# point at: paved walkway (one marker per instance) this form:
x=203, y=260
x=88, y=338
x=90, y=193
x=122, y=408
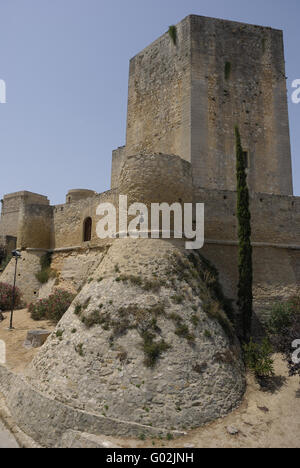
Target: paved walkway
x=6, y=439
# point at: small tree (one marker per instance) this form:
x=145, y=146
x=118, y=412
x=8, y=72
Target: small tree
x=245, y=295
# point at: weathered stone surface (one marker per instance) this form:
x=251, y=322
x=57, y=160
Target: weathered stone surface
x=90, y=371
x=46, y=420
x=73, y=439
x=7, y=440
x=75, y=268
x=181, y=101
x=27, y=282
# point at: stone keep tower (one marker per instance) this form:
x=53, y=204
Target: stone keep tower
x=186, y=99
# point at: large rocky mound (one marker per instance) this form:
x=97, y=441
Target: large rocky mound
x=145, y=341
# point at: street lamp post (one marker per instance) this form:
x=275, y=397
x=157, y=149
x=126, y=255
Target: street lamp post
x=16, y=254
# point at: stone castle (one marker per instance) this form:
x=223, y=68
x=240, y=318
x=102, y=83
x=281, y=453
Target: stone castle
x=143, y=299
x=184, y=102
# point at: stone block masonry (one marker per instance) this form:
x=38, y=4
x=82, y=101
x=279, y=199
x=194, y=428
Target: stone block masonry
x=186, y=100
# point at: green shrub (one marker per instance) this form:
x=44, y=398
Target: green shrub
x=43, y=276
x=45, y=272
x=177, y=299
x=52, y=308
x=153, y=349
x=6, y=293
x=284, y=328
x=195, y=320
x=183, y=331
x=5, y=261
x=258, y=358
x=46, y=260
x=281, y=316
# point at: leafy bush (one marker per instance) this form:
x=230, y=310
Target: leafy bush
x=43, y=276
x=258, y=358
x=281, y=316
x=52, y=308
x=6, y=293
x=284, y=327
x=5, y=259
x=45, y=273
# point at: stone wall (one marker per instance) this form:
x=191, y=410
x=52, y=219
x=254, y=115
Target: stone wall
x=276, y=273
x=79, y=194
x=238, y=78
x=48, y=421
x=159, y=117
x=275, y=238
x=75, y=267
x=118, y=158
x=69, y=220
x=28, y=266
x=275, y=218
x=35, y=227
x=156, y=178
x=11, y=205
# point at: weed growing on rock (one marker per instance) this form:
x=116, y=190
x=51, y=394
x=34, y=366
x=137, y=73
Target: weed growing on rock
x=177, y=299
x=153, y=349
x=79, y=349
x=173, y=34
x=45, y=272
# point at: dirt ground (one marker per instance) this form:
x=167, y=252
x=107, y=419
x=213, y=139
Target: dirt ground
x=266, y=419
x=17, y=357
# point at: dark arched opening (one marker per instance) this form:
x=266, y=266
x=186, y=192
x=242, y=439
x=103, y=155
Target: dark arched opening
x=87, y=230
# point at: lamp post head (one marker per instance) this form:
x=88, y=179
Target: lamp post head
x=16, y=253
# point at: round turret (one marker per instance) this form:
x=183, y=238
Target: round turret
x=79, y=194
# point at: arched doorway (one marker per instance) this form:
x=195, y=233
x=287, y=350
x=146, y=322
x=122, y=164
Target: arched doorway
x=87, y=230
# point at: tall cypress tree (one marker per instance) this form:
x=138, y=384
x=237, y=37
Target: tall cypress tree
x=245, y=294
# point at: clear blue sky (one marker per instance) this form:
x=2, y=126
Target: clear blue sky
x=65, y=63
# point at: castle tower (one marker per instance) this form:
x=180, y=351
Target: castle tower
x=186, y=98
x=10, y=213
